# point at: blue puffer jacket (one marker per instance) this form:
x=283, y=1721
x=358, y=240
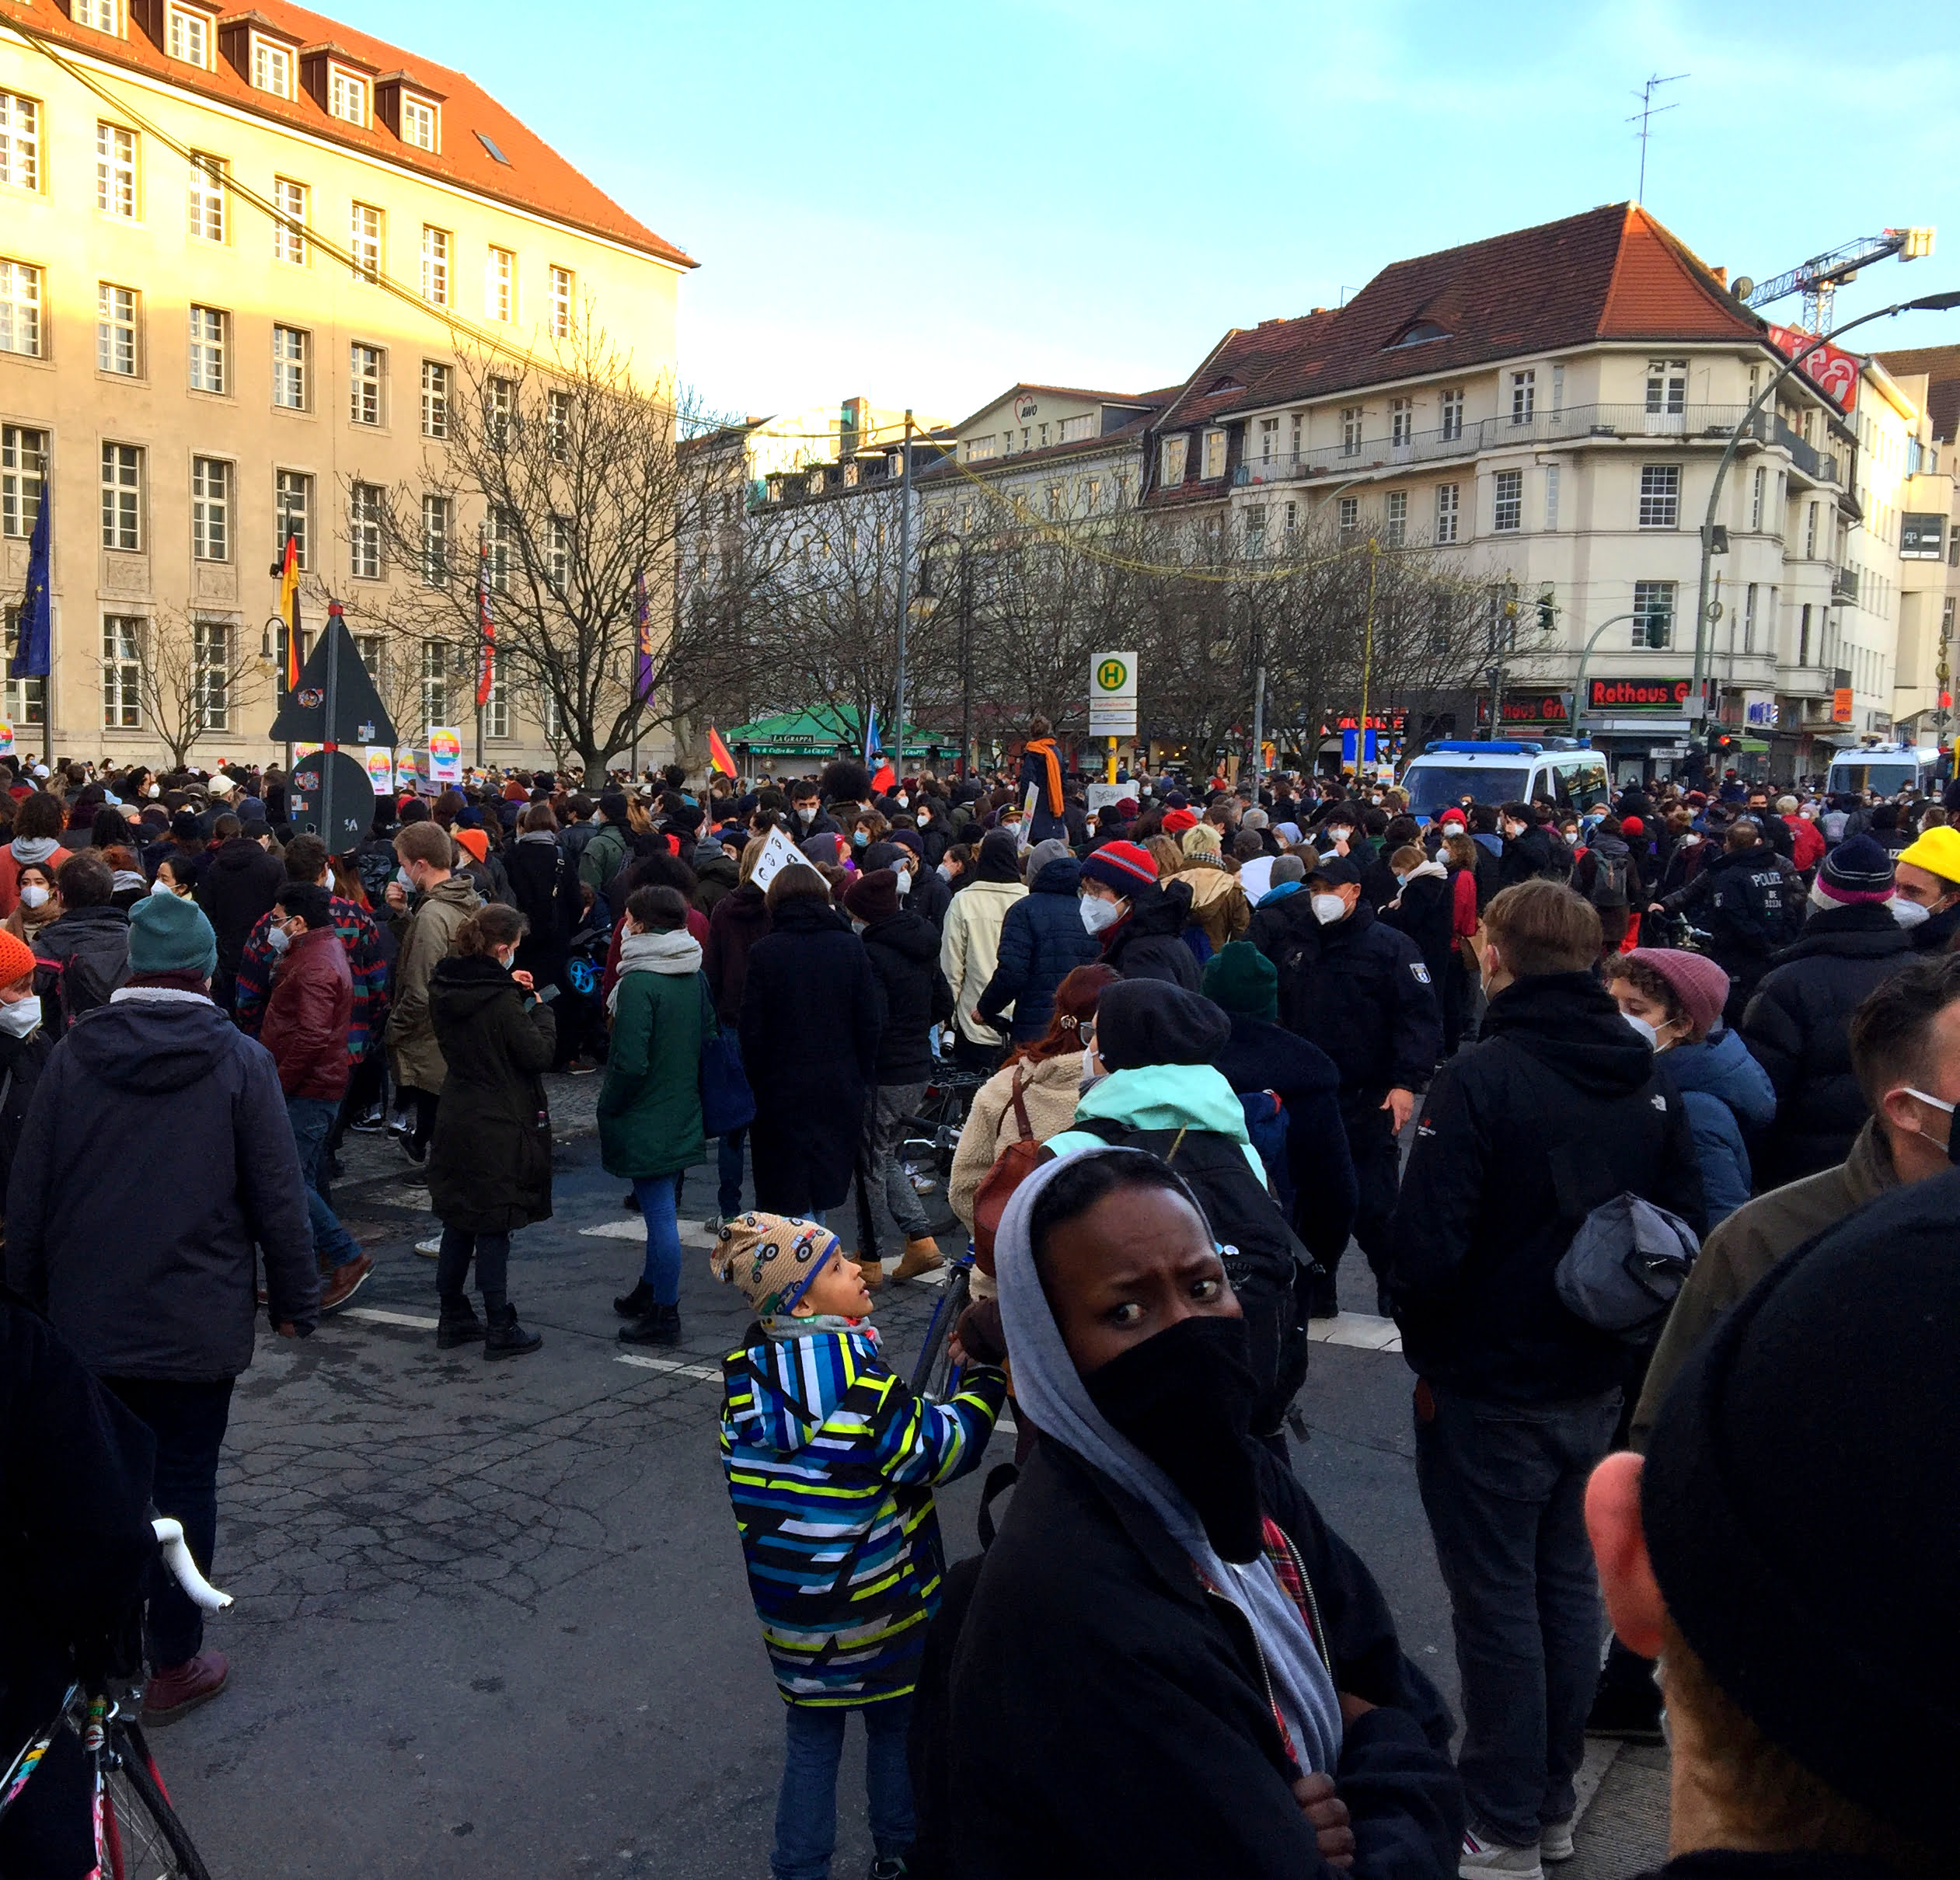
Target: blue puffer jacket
x=1042, y=940
x=832, y=1462
x=1724, y=1090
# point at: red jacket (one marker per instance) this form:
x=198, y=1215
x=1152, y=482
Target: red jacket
x=305, y=1025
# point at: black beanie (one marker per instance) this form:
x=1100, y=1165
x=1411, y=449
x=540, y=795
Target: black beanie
x=1151, y=1021
x=1802, y=1507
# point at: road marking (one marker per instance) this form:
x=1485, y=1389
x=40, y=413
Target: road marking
x=375, y=1315
x=636, y=1230
x=668, y=1364
x=1361, y=1330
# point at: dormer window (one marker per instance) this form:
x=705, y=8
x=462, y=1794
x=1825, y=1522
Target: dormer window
x=421, y=123
x=103, y=16
x=347, y=94
x=188, y=37
x=1420, y=334
x=272, y=67
x=1228, y=383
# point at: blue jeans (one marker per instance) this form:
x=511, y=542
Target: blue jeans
x=728, y=1167
x=312, y=1117
x=655, y=1195
x=806, y=1806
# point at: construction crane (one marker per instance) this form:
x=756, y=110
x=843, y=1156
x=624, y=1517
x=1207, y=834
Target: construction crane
x=1818, y=279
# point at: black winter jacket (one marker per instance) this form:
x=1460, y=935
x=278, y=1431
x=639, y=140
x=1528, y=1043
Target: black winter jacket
x=931, y=894
x=1109, y=1717
x=1361, y=991
x=1557, y=1108
x=912, y=994
x=1146, y=944
x=149, y=1270
x=237, y=887
x=85, y=953
x=1937, y=933
x=1426, y=913
x=1041, y=941
x=1798, y=1027
x=1525, y=857
x=809, y=1028
x=22, y=1062
x=544, y=882
x=1742, y=892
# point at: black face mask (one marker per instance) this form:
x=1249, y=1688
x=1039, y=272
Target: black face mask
x=1185, y=1398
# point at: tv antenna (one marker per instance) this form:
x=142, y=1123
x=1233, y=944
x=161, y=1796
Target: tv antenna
x=1648, y=111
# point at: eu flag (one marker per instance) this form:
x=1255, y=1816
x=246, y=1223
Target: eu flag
x=33, y=647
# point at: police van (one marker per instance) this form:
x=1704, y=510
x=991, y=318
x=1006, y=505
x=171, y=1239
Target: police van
x=1884, y=770
x=1561, y=770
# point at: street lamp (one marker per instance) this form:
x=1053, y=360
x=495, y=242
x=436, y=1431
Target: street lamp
x=963, y=565
x=1926, y=303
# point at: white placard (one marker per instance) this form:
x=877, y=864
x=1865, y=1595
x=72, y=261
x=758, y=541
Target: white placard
x=779, y=852
x=1112, y=695
x=1106, y=796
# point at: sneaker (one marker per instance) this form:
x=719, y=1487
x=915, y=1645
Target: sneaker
x=417, y=1153
x=369, y=1122
x=712, y=1226
x=1478, y=1857
x=1555, y=1840
x=344, y=1282
x=176, y=1690
x=921, y=1256
x=895, y=1869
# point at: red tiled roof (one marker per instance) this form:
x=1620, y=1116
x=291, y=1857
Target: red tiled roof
x=1941, y=366
x=1255, y=360
x=536, y=177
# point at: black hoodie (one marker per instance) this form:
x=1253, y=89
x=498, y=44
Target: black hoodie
x=1147, y=943
x=145, y=1259
x=1557, y=1108
x=912, y=992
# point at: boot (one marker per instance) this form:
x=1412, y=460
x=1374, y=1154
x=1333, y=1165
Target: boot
x=634, y=1305
x=873, y=1272
x=503, y=1337
x=458, y=1325
x=660, y=1325
x=174, y=1691
x=921, y=1256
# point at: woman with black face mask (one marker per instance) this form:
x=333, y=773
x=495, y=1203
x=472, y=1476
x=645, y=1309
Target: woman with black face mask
x=1170, y=1666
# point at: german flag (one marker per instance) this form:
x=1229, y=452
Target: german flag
x=718, y=754
x=289, y=610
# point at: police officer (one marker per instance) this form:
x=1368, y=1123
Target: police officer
x=1752, y=900
x=1355, y=987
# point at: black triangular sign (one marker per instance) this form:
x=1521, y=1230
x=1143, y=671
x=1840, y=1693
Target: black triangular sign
x=359, y=716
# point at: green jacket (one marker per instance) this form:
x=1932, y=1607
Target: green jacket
x=601, y=857
x=650, y=1106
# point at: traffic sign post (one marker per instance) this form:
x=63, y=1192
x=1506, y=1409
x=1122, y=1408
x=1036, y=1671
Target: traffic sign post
x=1112, y=700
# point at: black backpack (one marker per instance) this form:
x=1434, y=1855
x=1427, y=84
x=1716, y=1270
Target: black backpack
x=1609, y=880
x=1271, y=1270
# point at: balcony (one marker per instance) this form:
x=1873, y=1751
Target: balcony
x=1804, y=681
x=1844, y=584
x=1630, y=424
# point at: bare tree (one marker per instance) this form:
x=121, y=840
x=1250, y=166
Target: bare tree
x=196, y=677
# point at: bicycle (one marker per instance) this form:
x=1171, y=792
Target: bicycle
x=138, y=1834
x=934, y=1374
x=933, y=1134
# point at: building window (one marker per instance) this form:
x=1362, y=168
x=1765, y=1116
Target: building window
x=497, y=534
x=289, y=349
x=980, y=450
x=1508, y=513
x=496, y=707
x=115, y=329
x=1214, y=455
x=122, y=494
x=1395, y=517
x=1551, y=496
x=347, y=94
x=1091, y=496
x=1350, y=431
x=435, y=266
x=1524, y=396
x=1170, y=459
x=1653, y=613
x=293, y=503
x=20, y=308
x=499, y=396
x=500, y=284
x=436, y=532
x=558, y=548
x=1269, y=439
x=1451, y=408
x=122, y=672
x=1347, y=511
x=1749, y=619
x=1255, y=522
x=1501, y=629
x=1810, y=532
x=364, y=244
x=1448, y=497
x=420, y=123
x=1558, y=389
x=208, y=350
x=23, y=467
x=434, y=689
x=364, y=383
x=100, y=14
x=211, y=509
x=272, y=67
x=20, y=141
x=1401, y=421
x=1758, y=486
x=26, y=700
x=1803, y=634
x=1667, y=386
x=1660, y=496
x=1073, y=431
x=289, y=230
x=116, y=171
x=561, y=303
x=435, y=399
x=189, y=37
x=363, y=530
x=210, y=650
x=207, y=208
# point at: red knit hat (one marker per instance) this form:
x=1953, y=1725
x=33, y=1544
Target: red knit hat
x=1632, y=826
x=1176, y=821
x=1699, y=986
x=1122, y=866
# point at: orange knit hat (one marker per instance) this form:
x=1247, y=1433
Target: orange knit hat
x=16, y=958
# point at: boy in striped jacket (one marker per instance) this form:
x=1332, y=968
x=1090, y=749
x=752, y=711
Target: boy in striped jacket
x=832, y=1461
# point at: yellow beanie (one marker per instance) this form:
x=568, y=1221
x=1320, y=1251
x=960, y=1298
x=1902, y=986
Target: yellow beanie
x=1938, y=852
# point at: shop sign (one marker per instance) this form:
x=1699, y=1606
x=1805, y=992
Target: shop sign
x=1665, y=696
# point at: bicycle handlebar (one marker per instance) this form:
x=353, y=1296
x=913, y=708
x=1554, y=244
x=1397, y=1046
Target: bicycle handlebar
x=183, y=1569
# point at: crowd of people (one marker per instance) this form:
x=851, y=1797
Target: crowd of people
x=1211, y=1037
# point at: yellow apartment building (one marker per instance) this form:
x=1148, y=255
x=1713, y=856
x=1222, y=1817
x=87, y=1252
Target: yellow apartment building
x=239, y=252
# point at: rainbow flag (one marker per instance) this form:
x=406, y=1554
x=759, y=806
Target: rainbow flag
x=718, y=754
x=289, y=609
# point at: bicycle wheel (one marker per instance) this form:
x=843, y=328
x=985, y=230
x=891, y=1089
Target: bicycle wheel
x=936, y=1367
x=141, y=1835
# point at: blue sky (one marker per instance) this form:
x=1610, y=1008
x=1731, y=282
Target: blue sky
x=925, y=202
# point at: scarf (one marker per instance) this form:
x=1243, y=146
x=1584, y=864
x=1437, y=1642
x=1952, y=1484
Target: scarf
x=1043, y=748
x=540, y=835
x=676, y=954
x=788, y=1326
x=33, y=848
x=1046, y=1381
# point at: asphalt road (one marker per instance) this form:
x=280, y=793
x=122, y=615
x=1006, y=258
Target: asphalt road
x=491, y=1618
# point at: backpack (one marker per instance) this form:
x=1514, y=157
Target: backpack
x=1609, y=888
x=1011, y=1168
x=1266, y=1125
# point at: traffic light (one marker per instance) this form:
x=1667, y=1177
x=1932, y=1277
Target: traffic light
x=1657, y=629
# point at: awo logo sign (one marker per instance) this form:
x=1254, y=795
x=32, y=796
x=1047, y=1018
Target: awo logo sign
x=1024, y=409
x=1638, y=694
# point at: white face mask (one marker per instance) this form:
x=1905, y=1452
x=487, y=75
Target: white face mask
x=806, y=814
x=1646, y=1031
x=1099, y=914
x=33, y=896
x=159, y=886
x=1907, y=913
x=858, y=926
x=21, y=1017
x=904, y=881
x=945, y=872
x=1328, y=909
x=406, y=879
x=278, y=939
x=156, y=789
x=1690, y=840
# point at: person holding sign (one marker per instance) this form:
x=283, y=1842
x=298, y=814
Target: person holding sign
x=1038, y=786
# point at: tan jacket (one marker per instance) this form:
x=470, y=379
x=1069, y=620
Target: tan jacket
x=1218, y=903
x=970, y=950
x=426, y=936
x=1745, y=1247
x=1048, y=1094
